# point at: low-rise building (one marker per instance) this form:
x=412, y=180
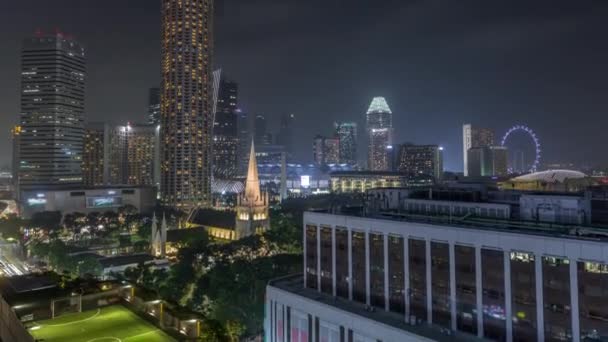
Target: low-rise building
x=86, y=200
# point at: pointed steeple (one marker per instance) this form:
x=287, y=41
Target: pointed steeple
x=252, y=185
x=163, y=229
x=154, y=228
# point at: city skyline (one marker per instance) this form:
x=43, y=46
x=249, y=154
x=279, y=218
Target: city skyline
x=492, y=85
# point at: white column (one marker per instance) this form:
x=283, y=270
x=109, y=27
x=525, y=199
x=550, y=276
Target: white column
x=576, y=330
x=386, y=298
x=350, y=264
x=333, y=260
x=540, y=312
x=508, y=309
x=406, y=276
x=429, y=290
x=479, y=291
x=452, y=261
x=319, y=258
x=367, y=271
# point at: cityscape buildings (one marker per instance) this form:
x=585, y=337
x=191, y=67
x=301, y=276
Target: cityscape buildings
x=262, y=136
x=285, y=134
x=426, y=160
x=245, y=134
x=96, y=154
x=347, y=134
x=380, y=131
x=225, y=131
x=154, y=106
x=326, y=150
x=186, y=102
x=474, y=137
x=487, y=161
x=52, y=108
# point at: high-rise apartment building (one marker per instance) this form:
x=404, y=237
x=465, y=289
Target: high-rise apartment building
x=186, y=102
x=421, y=160
x=225, y=132
x=326, y=150
x=134, y=155
x=487, y=161
x=380, y=131
x=96, y=154
x=16, y=136
x=154, y=106
x=347, y=134
x=474, y=137
x=52, y=107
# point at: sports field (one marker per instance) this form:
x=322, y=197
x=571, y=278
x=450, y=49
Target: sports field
x=111, y=324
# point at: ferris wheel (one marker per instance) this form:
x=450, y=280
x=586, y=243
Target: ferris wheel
x=536, y=141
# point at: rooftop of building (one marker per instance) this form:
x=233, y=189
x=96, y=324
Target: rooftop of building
x=214, y=218
x=123, y=260
x=579, y=232
x=294, y=285
x=550, y=176
x=366, y=173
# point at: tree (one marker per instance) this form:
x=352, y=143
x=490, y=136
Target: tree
x=10, y=226
x=214, y=331
x=89, y=265
x=47, y=220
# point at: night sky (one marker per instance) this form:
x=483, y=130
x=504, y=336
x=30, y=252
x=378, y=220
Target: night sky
x=438, y=63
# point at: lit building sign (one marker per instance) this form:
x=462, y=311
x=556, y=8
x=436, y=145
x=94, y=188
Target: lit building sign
x=36, y=201
x=104, y=202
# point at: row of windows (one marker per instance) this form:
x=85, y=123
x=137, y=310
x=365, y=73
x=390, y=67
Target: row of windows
x=592, y=281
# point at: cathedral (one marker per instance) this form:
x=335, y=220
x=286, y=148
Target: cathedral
x=252, y=204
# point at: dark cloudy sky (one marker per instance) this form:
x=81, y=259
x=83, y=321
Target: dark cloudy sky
x=438, y=63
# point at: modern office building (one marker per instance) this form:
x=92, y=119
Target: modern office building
x=52, y=108
x=225, y=132
x=16, y=136
x=154, y=106
x=245, y=135
x=474, y=137
x=347, y=134
x=380, y=131
x=87, y=199
x=420, y=160
x=401, y=277
x=326, y=150
x=487, y=161
x=186, y=102
x=96, y=154
x=260, y=128
x=285, y=136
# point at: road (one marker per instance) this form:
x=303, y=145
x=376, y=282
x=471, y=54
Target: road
x=10, y=265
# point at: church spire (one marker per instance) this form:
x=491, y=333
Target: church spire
x=252, y=185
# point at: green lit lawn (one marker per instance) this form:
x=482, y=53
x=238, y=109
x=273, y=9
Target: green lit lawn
x=110, y=324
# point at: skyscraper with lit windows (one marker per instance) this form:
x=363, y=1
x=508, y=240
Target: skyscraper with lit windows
x=225, y=134
x=347, y=134
x=52, y=107
x=380, y=131
x=186, y=102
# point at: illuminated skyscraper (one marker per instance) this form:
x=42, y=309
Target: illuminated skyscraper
x=380, y=131
x=421, y=160
x=134, y=155
x=52, y=106
x=154, y=106
x=474, y=137
x=326, y=150
x=225, y=134
x=96, y=154
x=186, y=102
x=347, y=134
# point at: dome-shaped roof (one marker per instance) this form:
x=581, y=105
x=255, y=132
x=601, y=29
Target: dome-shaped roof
x=550, y=176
